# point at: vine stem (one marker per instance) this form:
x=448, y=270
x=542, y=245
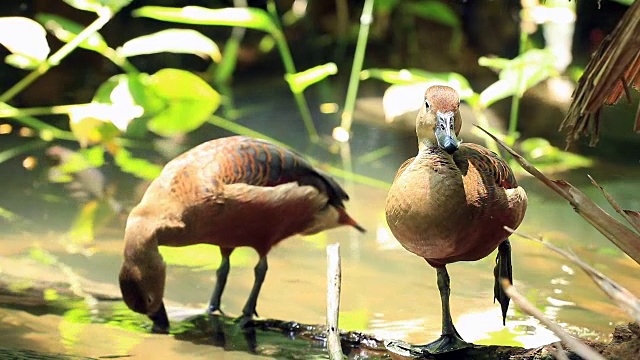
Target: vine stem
x=354, y=81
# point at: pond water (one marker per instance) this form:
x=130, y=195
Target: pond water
x=386, y=291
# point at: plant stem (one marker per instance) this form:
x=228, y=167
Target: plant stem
x=358, y=59
x=28, y=112
x=34, y=123
x=515, y=100
x=242, y=130
x=21, y=149
x=103, y=18
x=290, y=68
x=120, y=61
x=220, y=73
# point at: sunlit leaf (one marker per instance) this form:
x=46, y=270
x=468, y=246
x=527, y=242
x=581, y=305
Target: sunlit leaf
x=184, y=41
x=25, y=39
x=189, y=101
x=550, y=158
x=413, y=76
x=65, y=30
x=138, y=167
x=95, y=123
x=252, y=18
x=206, y=257
x=517, y=75
x=98, y=5
x=499, y=90
x=126, y=91
x=301, y=80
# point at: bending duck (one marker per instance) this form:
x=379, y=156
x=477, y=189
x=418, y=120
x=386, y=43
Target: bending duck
x=231, y=192
x=451, y=202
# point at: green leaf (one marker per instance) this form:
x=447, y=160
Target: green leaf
x=183, y=41
x=517, y=75
x=625, y=2
x=65, y=30
x=441, y=13
x=385, y=6
x=301, y=80
x=497, y=91
x=71, y=162
x=97, y=6
x=434, y=11
x=252, y=18
x=138, y=167
x=127, y=90
x=415, y=76
x=26, y=40
x=549, y=158
x=189, y=101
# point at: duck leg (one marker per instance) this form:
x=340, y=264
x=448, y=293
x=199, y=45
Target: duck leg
x=502, y=270
x=250, y=307
x=221, y=280
x=160, y=321
x=450, y=340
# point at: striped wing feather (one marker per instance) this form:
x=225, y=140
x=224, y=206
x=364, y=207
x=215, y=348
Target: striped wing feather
x=488, y=164
x=241, y=159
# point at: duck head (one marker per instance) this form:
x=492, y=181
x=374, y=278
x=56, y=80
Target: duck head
x=142, y=276
x=439, y=122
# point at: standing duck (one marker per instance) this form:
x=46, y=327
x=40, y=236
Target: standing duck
x=231, y=192
x=451, y=202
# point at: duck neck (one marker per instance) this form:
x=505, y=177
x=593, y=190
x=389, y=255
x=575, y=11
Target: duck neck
x=140, y=240
x=426, y=143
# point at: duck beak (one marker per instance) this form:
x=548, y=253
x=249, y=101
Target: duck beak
x=445, y=134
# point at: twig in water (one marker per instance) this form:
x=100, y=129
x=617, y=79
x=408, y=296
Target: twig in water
x=333, y=301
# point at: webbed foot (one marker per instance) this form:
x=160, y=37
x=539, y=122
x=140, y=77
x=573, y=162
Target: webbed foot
x=444, y=344
x=245, y=321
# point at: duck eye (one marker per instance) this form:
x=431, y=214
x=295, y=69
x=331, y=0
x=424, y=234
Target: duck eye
x=426, y=103
x=149, y=299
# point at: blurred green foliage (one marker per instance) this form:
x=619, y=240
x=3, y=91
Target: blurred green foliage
x=515, y=76
x=132, y=106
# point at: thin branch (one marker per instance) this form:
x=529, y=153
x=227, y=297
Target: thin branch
x=615, y=205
